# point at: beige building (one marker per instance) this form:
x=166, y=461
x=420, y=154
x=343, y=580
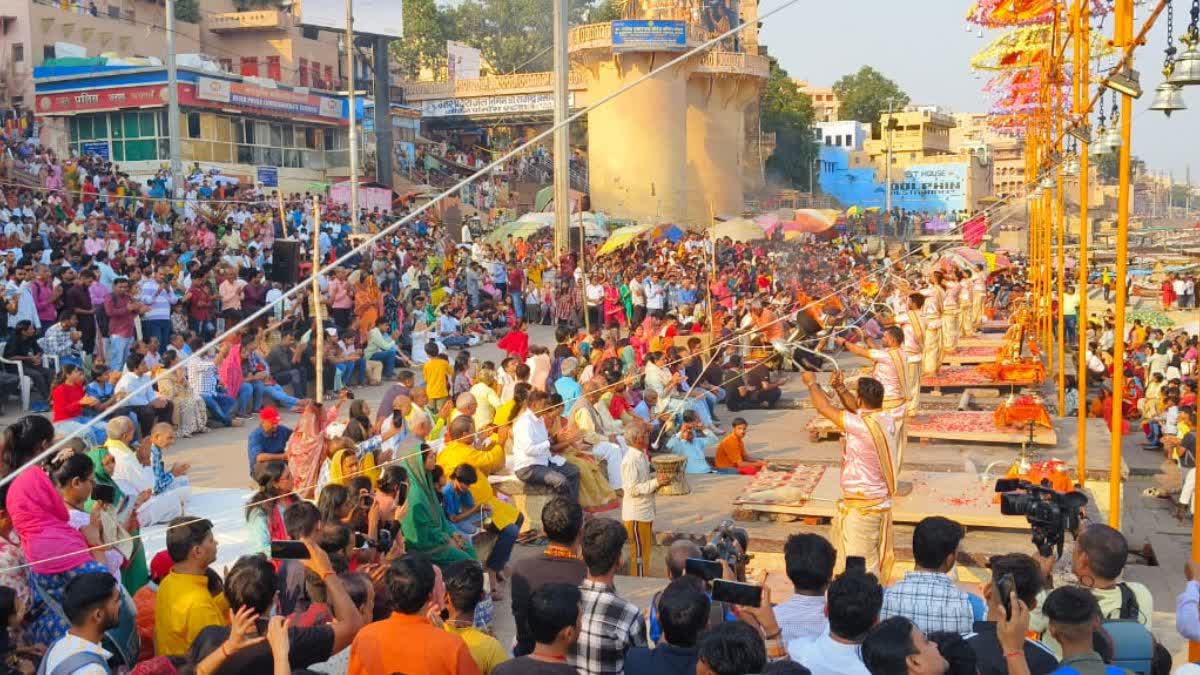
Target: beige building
x=825, y=103
x=267, y=43
x=916, y=134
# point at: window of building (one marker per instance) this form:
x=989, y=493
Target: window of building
x=226, y=65
x=193, y=125
x=329, y=76
x=273, y=69
x=48, y=52
x=250, y=66
x=18, y=52
x=849, y=142
x=303, y=71
x=838, y=140
x=829, y=140
x=309, y=33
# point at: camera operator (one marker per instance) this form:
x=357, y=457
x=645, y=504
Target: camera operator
x=1097, y=561
x=676, y=559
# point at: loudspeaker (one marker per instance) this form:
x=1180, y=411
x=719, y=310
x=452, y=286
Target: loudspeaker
x=285, y=262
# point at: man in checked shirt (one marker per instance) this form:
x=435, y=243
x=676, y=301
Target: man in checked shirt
x=928, y=595
x=609, y=625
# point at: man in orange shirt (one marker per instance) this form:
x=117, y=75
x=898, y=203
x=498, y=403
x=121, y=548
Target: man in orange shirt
x=423, y=650
x=731, y=453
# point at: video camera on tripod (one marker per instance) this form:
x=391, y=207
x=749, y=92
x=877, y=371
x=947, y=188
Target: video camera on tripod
x=728, y=542
x=1051, y=514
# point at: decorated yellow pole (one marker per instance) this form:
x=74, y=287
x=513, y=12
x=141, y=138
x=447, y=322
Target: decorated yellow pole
x=1122, y=36
x=1082, y=47
x=1059, y=220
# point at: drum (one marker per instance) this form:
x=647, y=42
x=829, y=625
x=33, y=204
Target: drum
x=671, y=466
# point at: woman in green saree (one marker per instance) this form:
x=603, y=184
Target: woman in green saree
x=425, y=526
x=136, y=573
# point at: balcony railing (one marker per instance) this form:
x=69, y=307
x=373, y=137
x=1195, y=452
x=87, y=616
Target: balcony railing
x=234, y=21
x=735, y=63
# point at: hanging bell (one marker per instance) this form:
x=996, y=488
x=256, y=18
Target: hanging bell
x=1099, y=148
x=1187, y=68
x=1168, y=98
x=1112, y=139
x=1071, y=166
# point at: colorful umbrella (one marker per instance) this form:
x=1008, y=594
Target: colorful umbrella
x=621, y=237
x=667, y=231
x=739, y=229
x=972, y=255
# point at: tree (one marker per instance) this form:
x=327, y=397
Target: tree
x=187, y=11
x=1108, y=167
x=789, y=114
x=864, y=95
x=514, y=35
x=605, y=10
x=244, y=5
x=426, y=29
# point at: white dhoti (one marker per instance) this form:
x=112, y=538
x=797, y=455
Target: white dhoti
x=932, y=356
x=951, y=325
x=163, y=507
x=863, y=527
x=968, y=320
x=914, y=362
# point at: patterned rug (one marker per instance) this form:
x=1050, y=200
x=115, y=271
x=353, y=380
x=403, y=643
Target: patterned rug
x=793, y=486
x=964, y=376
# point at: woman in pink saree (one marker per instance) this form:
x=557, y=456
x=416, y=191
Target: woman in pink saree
x=614, y=311
x=306, y=448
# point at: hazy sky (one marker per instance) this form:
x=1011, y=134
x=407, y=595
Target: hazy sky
x=923, y=45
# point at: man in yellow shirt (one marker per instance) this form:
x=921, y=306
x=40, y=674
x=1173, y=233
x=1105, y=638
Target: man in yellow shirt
x=437, y=371
x=464, y=590
x=463, y=448
x=189, y=598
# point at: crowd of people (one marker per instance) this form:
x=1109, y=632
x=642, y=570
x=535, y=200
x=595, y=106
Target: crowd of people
x=396, y=521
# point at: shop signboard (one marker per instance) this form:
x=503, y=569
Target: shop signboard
x=268, y=176
x=96, y=100
x=489, y=105
x=281, y=101
x=97, y=148
x=641, y=35
x=943, y=185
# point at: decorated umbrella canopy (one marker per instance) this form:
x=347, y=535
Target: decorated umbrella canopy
x=621, y=237
x=938, y=224
x=1025, y=47
x=972, y=255
x=739, y=229
x=768, y=221
x=1000, y=13
x=667, y=231
x=812, y=220
x=854, y=210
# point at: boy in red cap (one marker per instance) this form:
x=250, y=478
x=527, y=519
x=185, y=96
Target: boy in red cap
x=144, y=599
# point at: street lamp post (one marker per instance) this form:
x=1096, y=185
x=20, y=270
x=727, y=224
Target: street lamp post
x=353, y=133
x=891, y=125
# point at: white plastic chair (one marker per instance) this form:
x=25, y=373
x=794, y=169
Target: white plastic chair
x=26, y=384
